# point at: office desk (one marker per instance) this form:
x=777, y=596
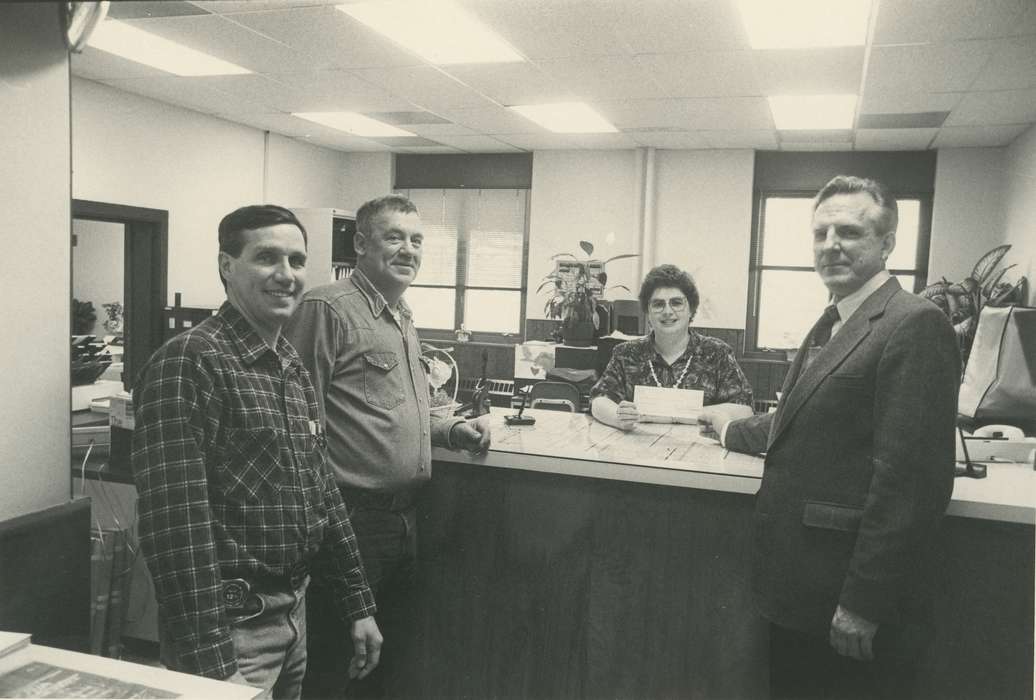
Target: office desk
x=574, y=560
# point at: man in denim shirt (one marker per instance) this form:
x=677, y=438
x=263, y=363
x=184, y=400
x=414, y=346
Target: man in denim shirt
x=357, y=338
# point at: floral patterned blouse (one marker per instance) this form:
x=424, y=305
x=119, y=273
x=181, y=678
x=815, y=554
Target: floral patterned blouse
x=707, y=364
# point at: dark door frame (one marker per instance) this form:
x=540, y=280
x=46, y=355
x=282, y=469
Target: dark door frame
x=144, y=277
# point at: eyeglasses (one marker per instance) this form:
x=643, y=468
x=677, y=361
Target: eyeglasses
x=676, y=304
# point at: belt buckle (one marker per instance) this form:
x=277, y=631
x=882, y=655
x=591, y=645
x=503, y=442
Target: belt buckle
x=235, y=591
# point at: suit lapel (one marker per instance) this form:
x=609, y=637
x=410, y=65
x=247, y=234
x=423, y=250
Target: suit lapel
x=803, y=382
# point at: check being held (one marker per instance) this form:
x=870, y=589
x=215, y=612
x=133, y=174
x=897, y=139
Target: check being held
x=660, y=405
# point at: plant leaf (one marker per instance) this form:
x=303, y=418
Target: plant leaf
x=587, y=246
x=984, y=266
x=989, y=287
x=620, y=257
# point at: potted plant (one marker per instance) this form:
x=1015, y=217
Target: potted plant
x=574, y=287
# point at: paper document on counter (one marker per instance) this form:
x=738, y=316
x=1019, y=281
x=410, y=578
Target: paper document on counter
x=659, y=405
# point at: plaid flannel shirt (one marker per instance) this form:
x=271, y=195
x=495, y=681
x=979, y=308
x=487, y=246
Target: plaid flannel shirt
x=232, y=482
x=713, y=369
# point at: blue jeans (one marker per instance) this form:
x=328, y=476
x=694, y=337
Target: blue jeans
x=269, y=640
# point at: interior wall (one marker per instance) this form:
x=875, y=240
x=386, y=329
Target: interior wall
x=967, y=210
x=34, y=167
x=1020, y=208
x=582, y=195
x=98, y=265
x=703, y=225
x=127, y=149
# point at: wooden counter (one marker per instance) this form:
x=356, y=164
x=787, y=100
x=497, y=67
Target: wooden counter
x=577, y=561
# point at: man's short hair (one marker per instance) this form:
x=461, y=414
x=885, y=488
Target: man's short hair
x=850, y=184
x=372, y=209
x=669, y=276
x=256, y=216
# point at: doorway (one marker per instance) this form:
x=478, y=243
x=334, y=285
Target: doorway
x=141, y=263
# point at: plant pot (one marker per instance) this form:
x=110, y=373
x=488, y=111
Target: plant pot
x=578, y=333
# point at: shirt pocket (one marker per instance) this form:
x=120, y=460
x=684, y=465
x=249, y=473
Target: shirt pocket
x=382, y=379
x=832, y=516
x=251, y=467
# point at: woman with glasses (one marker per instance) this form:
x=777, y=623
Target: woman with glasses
x=672, y=355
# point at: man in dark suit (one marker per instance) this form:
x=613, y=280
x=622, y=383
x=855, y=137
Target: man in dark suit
x=859, y=466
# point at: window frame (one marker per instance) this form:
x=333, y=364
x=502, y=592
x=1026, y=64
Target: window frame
x=756, y=266
x=460, y=285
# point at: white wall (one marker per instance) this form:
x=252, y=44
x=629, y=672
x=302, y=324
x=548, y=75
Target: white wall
x=582, y=195
x=967, y=211
x=34, y=165
x=1020, y=208
x=98, y=266
x=703, y=225
x=128, y=149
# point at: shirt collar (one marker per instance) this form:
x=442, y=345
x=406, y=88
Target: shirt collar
x=374, y=298
x=693, y=341
x=250, y=345
x=847, y=306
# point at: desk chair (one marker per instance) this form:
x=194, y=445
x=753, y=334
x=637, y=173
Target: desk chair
x=555, y=396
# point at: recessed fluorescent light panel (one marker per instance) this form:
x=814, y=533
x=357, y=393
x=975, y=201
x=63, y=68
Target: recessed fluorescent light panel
x=439, y=32
x=136, y=45
x=567, y=118
x=804, y=24
x=813, y=111
x=353, y=123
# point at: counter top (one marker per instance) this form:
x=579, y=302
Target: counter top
x=677, y=455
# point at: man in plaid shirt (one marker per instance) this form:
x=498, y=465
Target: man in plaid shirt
x=235, y=498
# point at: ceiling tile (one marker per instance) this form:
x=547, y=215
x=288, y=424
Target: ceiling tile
x=703, y=73
x=894, y=139
x=317, y=91
x=905, y=21
x=691, y=114
x=134, y=9
x=815, y=135
x=493, y=120
x=832, y=71
x=884, y=102
x=189, y=93
x=603, y=77
x=1012, y=67
x=975, y=136
x=511, y=83
x=405, y=141
x=476, y=144
x=990, y=108
x=408, y=118
x=818, y=146
x=910, y=120
x=536, y=142
x=765, y=139
x=551, y=29
x=101, y=65
x=425, y=86
x=329, y=38
x=307, y=131
x=219, y=37
x=426, y=149
x=926, y=68
x=670, y=139
x=436, y=130
x=669, y=26
x=601, y=141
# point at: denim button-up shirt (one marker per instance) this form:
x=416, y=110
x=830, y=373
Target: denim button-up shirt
x=371, y=385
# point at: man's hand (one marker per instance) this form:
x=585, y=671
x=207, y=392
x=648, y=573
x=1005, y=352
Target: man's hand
x=471, y=435
x=713, y=419
x=852, y=635
x=627, y=414
x=366, y=647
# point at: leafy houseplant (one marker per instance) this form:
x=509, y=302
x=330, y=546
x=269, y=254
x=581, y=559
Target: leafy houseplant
x=83, y=317
x=963, y=301
x=574, y=287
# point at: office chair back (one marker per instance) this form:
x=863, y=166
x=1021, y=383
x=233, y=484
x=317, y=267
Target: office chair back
x=555, y=396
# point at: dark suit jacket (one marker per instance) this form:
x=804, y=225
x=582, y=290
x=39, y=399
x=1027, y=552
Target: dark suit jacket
x=859, y=468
